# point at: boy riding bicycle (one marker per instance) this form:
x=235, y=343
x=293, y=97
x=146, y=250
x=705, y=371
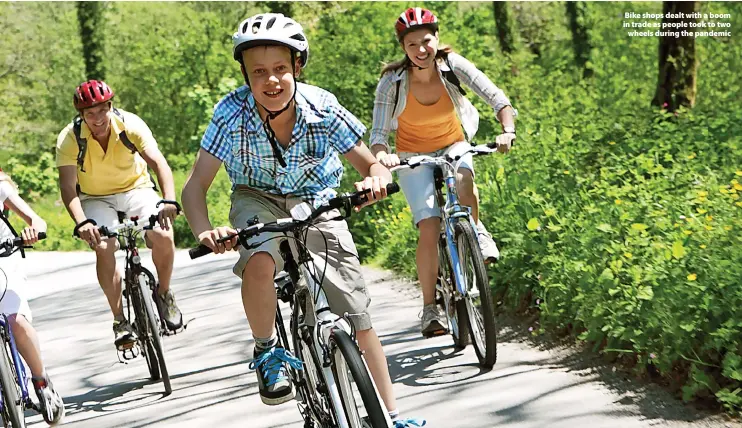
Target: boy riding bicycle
x=279, y=141
x=15, y=306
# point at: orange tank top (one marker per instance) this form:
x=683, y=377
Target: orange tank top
x=424, y=129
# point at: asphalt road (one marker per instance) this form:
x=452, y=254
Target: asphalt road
x=212, y=385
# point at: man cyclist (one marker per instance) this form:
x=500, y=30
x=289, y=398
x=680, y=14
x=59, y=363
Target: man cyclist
x=102, y=157
x=279, y=141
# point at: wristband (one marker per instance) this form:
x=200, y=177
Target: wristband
x=76, y=231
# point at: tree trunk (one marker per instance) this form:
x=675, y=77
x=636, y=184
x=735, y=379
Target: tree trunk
x=502, y=23
x=92, y=23
x=676, y=85
x=577, y=15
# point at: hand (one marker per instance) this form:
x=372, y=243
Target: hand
x=90, y=234
x=389, y=160
x=377, y=186
x=30, y=235
x=166, y=216
x=210, y=238
x=504, y=142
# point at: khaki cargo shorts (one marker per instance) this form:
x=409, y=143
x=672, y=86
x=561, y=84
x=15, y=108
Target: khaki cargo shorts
x=343, y=282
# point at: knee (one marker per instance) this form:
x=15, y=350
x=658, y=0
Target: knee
x=159, y=238
x=106, y=248
x=259, y=269
x=465, y=181
x=429, y=230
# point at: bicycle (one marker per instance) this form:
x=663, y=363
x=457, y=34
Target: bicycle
x=15, y=398
x=462, y=287
x=331, y=361
x=140, y=291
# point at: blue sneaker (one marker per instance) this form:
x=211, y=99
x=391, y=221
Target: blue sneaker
x=408, y=423
x=274, y=384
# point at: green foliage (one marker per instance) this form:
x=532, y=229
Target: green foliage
x=91, y=15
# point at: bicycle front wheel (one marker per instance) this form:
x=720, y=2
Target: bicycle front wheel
x=361, y=404
x=478, y=299
x=153, y=338
x=12, y=407
x=455, y=309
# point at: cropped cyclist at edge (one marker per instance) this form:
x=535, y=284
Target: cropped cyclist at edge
x=279, y=141
x=110, y=176
x=15, y=306
x=420, y=98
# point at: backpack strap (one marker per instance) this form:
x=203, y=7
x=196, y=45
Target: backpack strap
x=452, y=77
x=82, y=143
x=396, y=97
x=122, y=135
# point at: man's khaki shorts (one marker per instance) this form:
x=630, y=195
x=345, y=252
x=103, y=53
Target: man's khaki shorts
x=343, y=282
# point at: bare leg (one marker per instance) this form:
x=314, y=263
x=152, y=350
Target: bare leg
x=108, y=277
x=427, y=257
x=370, y=345
x=467, y=191
x=163, y=254
x=259, y=294
x=27, y=342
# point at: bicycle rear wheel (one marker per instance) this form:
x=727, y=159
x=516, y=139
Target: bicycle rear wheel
x=12, y=407
x=478, y=299
x=361, y=403
x=153, y=338
x=455, y=309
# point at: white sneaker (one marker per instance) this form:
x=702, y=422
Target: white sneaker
x=487, y=244
x=434, y=321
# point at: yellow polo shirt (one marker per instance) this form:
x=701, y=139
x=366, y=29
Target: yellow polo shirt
x=117, y=169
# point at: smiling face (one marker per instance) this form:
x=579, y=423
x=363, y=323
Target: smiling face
x=269, y=71
x=98, y=119
x=421, y=46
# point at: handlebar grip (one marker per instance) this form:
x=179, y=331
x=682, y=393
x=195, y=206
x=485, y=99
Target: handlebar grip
x=361, y=197
x=42, y=235
x=199, y=251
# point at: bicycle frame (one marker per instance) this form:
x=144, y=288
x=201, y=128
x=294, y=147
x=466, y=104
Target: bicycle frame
x=325, y=322
x=18, y=364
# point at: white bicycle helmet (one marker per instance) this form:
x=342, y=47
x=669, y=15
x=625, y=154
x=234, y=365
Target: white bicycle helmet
x=270, y=29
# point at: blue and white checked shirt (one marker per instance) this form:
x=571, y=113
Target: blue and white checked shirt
x=313, y=169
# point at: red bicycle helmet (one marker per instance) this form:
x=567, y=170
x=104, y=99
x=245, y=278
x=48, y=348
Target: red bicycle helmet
x=415, y=18
x=91, y=93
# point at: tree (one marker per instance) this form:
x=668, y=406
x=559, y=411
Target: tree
x=91, y=18
x=502, y=23
x=676, y=85
x=284, y=7
x=577, y=16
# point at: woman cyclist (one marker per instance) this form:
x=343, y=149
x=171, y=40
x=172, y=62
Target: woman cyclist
x=420, y=98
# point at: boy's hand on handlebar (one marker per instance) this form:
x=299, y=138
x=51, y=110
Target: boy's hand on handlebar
x=504, y=142
x=212, y=238
x=377, y=185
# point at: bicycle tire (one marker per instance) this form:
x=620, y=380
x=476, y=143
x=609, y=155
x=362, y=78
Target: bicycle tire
x=346, y=359
x=153, y=335
x=13, y=409
x=482, y=328
x=317, y=398
x=148, y=349
x=457, y=313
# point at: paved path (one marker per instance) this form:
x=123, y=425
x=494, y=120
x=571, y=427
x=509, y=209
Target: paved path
x=213, y=386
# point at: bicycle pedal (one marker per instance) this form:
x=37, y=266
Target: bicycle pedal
x=435, y=333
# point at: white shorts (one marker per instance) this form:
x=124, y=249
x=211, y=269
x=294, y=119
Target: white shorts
x=12, y=285
x=133, y=203
x=418, y=185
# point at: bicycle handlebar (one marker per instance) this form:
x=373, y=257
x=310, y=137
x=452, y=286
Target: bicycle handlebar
x=344, y=200
x=17, y=241
x=133, y=223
